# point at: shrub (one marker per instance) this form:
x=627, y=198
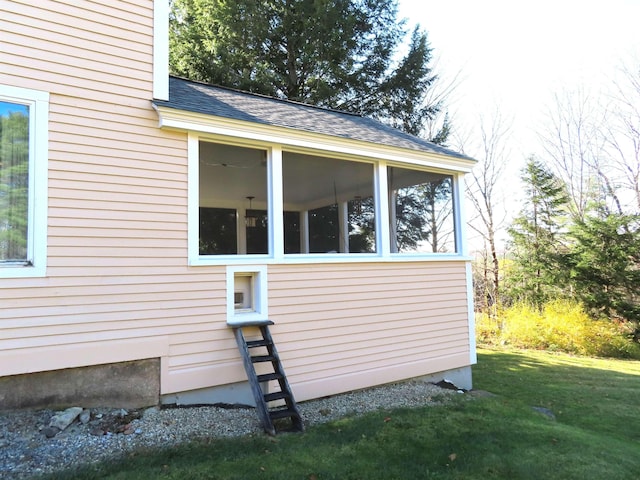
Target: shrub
x=560, y=326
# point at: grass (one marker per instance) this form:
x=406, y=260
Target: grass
x=595, y=435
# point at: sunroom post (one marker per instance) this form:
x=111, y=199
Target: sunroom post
x=343, y=221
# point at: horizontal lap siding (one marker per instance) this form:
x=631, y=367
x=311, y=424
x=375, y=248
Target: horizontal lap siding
x=118, y=286
x=340, y=327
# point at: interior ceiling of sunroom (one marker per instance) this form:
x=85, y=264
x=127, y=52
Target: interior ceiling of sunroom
x=309, y=181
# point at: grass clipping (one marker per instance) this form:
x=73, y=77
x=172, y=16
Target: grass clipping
x=560, y=326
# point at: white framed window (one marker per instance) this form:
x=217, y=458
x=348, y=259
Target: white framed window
x=23, y=181
x=422, y=216
x=246, y=293
x=268, y=203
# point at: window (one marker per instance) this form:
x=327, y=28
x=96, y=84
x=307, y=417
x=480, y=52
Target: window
x=233, y=201
x=421, y=215
x=332, y=202
x=23, y=181
x=322, y=206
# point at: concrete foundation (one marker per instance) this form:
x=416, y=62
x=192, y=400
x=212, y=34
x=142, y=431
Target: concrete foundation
x=232, y=394
x=118, y=385
x=460, y=377
x=240, y=393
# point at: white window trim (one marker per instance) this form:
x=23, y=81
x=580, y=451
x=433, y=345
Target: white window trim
x=38, y=103
x=260, y=310
x=276, y=245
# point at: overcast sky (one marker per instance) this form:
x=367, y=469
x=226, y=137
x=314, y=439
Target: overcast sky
x=517, y=54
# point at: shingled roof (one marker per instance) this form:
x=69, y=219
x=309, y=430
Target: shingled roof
x=233, y=104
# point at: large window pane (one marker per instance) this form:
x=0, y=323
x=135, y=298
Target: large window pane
x=218, y=231
x=334, y=204
x=14, y=182
x=421, y=211
x=233, y=200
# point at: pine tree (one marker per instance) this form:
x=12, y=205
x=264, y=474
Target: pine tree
x=332, y=53
x=536, y=274
x=605, y=265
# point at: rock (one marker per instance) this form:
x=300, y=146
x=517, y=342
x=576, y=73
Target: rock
x=84, y=417
x=63, y=419
x=97, y=432
x=545, y=411
x=444, y=383
x=122, y=413
x=150, y=411
x=50, y=432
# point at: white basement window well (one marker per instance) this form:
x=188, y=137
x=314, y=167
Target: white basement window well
x=246, y=294
x=23, y=181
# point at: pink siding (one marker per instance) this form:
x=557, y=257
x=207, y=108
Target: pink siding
x=341, y=327
x=118, y=286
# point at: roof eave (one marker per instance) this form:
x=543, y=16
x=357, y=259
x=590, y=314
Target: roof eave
x=184, y=120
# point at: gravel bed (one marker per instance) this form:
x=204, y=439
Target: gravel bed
x=26, y=451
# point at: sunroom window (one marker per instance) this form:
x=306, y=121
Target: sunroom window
x=233, y=200
x=329, y=205
x=421, y=213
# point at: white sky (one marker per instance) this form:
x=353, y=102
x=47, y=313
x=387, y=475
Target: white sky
x=515, y=55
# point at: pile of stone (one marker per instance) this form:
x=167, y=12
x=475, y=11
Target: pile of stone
x=119, y=421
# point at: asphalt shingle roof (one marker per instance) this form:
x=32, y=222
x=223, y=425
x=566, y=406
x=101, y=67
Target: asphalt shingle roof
x=233, y=104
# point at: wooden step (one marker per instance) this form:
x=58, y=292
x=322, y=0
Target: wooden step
x=284, y=413
x=270, y=397
x=258, y=343
x=263, y=358
x=266, y=377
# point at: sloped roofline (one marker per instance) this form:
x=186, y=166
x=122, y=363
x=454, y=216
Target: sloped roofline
x=211, y=100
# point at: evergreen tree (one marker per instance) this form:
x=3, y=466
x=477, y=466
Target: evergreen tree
x=536, y=274
x=331, y=53
x=605, y=265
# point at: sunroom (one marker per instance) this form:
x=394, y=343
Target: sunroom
x=270, y=202
x=273, y=182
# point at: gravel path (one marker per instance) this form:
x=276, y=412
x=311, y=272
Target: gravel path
x=26, y=451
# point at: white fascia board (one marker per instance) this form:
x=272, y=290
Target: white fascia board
x=190, y=121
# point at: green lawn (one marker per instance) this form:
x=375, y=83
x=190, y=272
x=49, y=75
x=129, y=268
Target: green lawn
x=596, y=433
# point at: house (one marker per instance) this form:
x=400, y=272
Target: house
x=141, y=215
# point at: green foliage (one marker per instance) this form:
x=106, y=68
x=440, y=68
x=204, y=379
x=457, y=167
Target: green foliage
x=535, y=275
x=14, y=182
x=332, y=53
x=560, y=326
x=605, y=265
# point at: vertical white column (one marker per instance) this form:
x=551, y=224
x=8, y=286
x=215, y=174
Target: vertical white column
x=343, y=221
x=276, y=204
x=459, y=220
x=383, y=242
x=193, y=197
x=304, y=231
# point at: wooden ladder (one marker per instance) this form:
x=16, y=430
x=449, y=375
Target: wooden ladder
x=264, y=351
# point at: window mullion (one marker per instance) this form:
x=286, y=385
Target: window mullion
x=382, y=211
x=276, y=203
